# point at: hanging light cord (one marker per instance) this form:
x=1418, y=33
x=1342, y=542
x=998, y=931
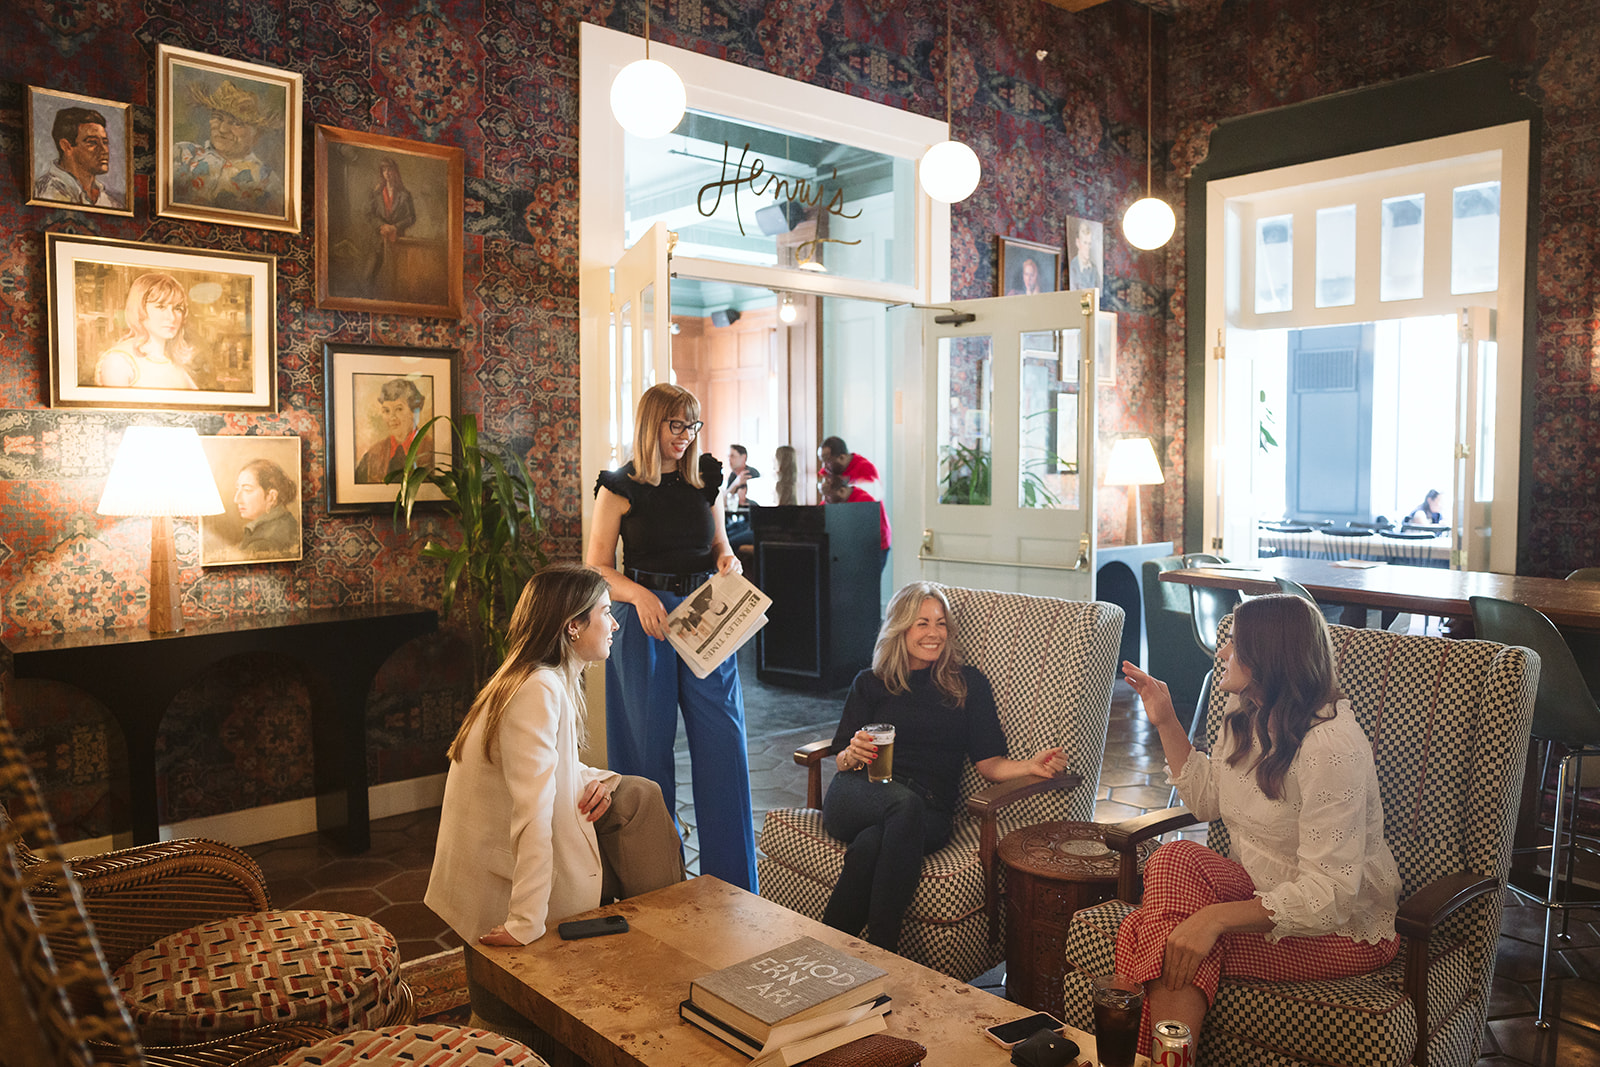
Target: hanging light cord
x=647, y=29
x=1149, y=79
x=948, y=38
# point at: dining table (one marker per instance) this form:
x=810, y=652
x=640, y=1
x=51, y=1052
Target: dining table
x=1363, y=584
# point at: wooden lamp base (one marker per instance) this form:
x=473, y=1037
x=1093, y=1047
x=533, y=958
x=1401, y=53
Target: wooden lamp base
x=166, y=603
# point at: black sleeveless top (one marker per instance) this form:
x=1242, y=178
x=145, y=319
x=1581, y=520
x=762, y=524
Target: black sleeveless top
x=669, y=527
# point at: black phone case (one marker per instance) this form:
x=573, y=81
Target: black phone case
x=606, y=924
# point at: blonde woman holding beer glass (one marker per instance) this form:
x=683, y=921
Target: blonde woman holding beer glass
x=1309, y=891
x=942, y=713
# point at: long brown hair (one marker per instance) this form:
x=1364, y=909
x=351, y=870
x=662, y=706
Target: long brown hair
x=890, y=661
x=560, y=594
x=788, y=475
x=1284, y=642
x=658, y=404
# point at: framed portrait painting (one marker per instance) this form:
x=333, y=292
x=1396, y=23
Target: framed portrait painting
x=155, y=326
x=259, y=481
x=1086, y=250
x=80, y=154
x=227, y=140
x=389, y=224
x=379, y=398
x=1024, y=267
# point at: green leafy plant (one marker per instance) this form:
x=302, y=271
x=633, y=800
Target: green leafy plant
x=1265, y=441
x=490, y=495
x=968, y=478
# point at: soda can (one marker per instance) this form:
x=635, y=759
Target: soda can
x=1171, y=1044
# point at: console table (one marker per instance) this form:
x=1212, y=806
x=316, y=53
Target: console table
x=136, y=675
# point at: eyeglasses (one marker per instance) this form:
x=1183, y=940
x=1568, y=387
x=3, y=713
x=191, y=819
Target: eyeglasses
x=678, y=426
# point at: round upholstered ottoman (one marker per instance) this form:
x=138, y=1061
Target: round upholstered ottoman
x=416, y=1046
x=322, y=968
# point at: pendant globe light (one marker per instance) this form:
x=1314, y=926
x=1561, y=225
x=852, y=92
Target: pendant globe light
x=1149, y=222
x=647, y=97
x=950, y=169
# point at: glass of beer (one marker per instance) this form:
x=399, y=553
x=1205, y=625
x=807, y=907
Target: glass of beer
x=1118, y=1003
x=881, y=769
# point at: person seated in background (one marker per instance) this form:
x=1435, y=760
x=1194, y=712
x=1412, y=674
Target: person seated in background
x=835, y=490
x=1427, y=512
x=736, y=496
x=835, y=457
x=943, y=713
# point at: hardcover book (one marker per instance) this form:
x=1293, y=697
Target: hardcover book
x=800, y=980
x=794, y=1042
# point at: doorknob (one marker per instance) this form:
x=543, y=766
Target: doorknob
x=1083, y=554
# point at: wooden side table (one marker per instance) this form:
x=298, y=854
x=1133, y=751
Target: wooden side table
x=1052, y=871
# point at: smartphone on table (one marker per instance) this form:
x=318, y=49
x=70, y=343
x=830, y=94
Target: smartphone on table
x=605, y=924
x=1007, y=1035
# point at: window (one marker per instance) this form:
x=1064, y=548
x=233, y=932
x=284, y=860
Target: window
x=1400, y=270
x=1274, y=264
x=1475, y=238
x=1336, y=256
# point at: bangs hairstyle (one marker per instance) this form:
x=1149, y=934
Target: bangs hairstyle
x=658, y=404
x=559, y=594
x=892, y=664
x=155, y=287
x=1284, y=642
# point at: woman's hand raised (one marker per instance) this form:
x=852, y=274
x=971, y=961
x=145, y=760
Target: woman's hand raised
x=1153, y=694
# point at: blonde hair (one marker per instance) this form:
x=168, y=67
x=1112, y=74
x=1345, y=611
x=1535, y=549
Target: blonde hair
x=658, y=404
x=890, y=661
x=788, y=475
x=557, y=596
x=157, y=288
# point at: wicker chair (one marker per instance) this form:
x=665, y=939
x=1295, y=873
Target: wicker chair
x=60, y=1005
x=1449, y=721
x=1051, y=664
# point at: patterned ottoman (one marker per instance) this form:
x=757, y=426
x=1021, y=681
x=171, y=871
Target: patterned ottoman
x=416, y=1046
x=322, y=968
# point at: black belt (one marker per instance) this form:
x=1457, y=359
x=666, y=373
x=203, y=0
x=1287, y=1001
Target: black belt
x=680, y=584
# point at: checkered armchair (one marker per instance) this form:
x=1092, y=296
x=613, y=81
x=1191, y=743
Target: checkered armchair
x=1449, y=723
x=1051, y=664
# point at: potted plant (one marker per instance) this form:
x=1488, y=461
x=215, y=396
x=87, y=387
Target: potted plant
x=490, y=494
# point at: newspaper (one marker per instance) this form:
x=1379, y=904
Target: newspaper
x=715, y=620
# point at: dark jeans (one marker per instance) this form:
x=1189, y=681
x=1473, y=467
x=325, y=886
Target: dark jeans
x=890, y=826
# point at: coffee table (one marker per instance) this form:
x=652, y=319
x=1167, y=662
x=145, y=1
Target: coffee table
x=614, y=1000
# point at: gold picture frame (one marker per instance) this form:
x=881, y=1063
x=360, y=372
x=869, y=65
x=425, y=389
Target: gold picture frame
x=228, y=140
x=47, y=183
x=160, y=327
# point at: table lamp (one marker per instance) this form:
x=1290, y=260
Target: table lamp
x=161, y=471
x=1133, y=463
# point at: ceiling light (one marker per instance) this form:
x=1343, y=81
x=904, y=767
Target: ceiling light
x=1149, y=222
x=647, y=97
x=950, y=169
x=787, y=312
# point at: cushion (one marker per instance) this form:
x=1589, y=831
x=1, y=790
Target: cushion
x=322, y=968
x=416, y=1046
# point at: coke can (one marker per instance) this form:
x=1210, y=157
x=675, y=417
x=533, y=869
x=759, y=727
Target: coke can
x=1171, y=1044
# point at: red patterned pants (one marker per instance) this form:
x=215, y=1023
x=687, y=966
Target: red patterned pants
x=1181, y=878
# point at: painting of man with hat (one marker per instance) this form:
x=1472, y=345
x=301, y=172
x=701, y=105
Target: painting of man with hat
x=230, y=143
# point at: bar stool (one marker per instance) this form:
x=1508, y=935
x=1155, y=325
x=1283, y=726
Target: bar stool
x=1565, y=714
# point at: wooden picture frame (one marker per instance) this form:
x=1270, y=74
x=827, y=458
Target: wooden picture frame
x=389, y=222
x=113, y=342
x=1086, y=252
x=1013, y=257
x=259, y=480
x=378, y=396
x=105, y=155
x=227, y=140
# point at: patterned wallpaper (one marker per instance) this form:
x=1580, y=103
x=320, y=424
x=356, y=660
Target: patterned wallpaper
x=1052, y=101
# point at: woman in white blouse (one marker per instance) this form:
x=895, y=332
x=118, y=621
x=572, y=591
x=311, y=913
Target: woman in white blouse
x=1311, y=887
x=528, y=834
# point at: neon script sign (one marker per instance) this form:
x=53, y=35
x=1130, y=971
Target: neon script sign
x=802, y=190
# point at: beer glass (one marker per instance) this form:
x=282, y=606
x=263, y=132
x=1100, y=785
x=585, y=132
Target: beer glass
x=881, y=769
x=1118, y=1003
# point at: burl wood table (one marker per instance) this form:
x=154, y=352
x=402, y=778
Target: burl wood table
x=614, y=1000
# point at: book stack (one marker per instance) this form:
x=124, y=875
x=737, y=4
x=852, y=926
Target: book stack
x=788, y=1005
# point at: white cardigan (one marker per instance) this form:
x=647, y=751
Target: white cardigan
x=513, y=847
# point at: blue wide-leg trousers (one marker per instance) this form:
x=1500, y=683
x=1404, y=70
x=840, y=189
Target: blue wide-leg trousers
x=646, y=685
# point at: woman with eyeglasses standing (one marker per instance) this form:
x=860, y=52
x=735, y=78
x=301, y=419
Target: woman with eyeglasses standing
x=665, y=508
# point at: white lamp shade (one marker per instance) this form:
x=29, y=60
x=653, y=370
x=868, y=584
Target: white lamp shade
x=160, y=470
x=1149, y=223
x=1133, y=462
x=648, y=98
x=950, y=171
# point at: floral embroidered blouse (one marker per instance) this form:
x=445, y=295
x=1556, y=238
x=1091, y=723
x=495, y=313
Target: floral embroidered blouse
x=1317, y=856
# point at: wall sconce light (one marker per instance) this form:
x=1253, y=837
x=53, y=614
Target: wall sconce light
x=787, y=312
x=950, y=169
x=1149, y=222
x=161, y=471
x=647, y=96
x=1133, y=463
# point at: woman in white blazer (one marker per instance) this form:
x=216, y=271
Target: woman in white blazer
x=528, y=834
